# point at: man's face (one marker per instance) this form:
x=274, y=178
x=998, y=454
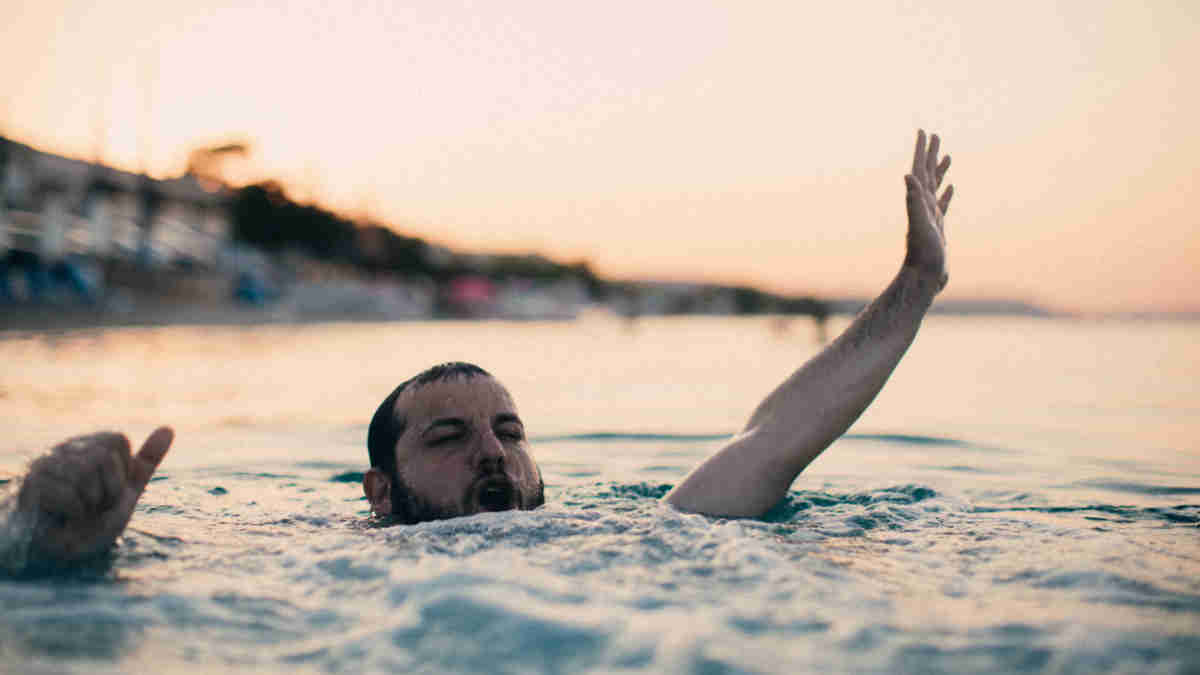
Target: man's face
x=463, y=451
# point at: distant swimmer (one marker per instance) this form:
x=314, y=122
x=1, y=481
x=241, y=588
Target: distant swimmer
x=450, y=442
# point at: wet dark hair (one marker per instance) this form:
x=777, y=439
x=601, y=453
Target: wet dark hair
x=387, y=427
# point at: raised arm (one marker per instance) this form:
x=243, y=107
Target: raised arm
x=77, y=499
x=820, y=401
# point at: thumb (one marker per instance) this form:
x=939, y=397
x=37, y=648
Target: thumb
x=151, y=454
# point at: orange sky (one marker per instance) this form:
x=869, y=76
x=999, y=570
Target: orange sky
x=753, y=142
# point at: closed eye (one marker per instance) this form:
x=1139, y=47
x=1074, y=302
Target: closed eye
x=445, y=430
x=508, y=427
x=510, y=434
x=445, y=438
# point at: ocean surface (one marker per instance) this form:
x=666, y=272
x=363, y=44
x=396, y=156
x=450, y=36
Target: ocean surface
x=1024, y=496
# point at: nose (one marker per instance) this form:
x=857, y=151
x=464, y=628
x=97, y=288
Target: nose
x=490, y=453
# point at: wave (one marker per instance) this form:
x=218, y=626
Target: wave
x=1187, y=514
x=1139, y=488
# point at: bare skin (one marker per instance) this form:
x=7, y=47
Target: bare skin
x=464, y=450
x=819, y=402
x=81, y=495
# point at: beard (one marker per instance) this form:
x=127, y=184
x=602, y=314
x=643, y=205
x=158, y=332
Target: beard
x=488, y=492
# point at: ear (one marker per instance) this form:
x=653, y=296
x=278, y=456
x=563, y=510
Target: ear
x=378, y=489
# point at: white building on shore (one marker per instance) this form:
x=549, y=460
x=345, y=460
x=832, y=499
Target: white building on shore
x=54, y=207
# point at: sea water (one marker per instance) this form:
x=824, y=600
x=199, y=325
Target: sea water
x=1024, y=496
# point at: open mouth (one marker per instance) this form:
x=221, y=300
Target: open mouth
x=496, y=494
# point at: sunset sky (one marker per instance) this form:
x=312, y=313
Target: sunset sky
x=758, y=142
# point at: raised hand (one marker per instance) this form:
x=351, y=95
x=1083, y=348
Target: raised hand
x=81, y=495
x=815, y=405
x=926, y=230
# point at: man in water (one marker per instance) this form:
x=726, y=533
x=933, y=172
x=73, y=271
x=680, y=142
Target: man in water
x=449, y=442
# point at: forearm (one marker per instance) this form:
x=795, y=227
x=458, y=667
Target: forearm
x=820, y=401
x=832, y=389
x=812, y=408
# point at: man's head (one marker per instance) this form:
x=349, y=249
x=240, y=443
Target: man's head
x=449, y=443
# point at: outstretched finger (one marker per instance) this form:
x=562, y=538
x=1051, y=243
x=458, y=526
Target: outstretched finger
x=940, y=172
x=935, y=143
x=944, y=202
x=148, y=458
x=919, y=155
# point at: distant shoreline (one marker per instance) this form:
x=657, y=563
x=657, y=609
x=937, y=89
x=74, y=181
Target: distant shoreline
x=59, y=318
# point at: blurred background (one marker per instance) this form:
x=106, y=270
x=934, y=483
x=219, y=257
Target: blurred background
x=168, y=161
x=347, y=170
